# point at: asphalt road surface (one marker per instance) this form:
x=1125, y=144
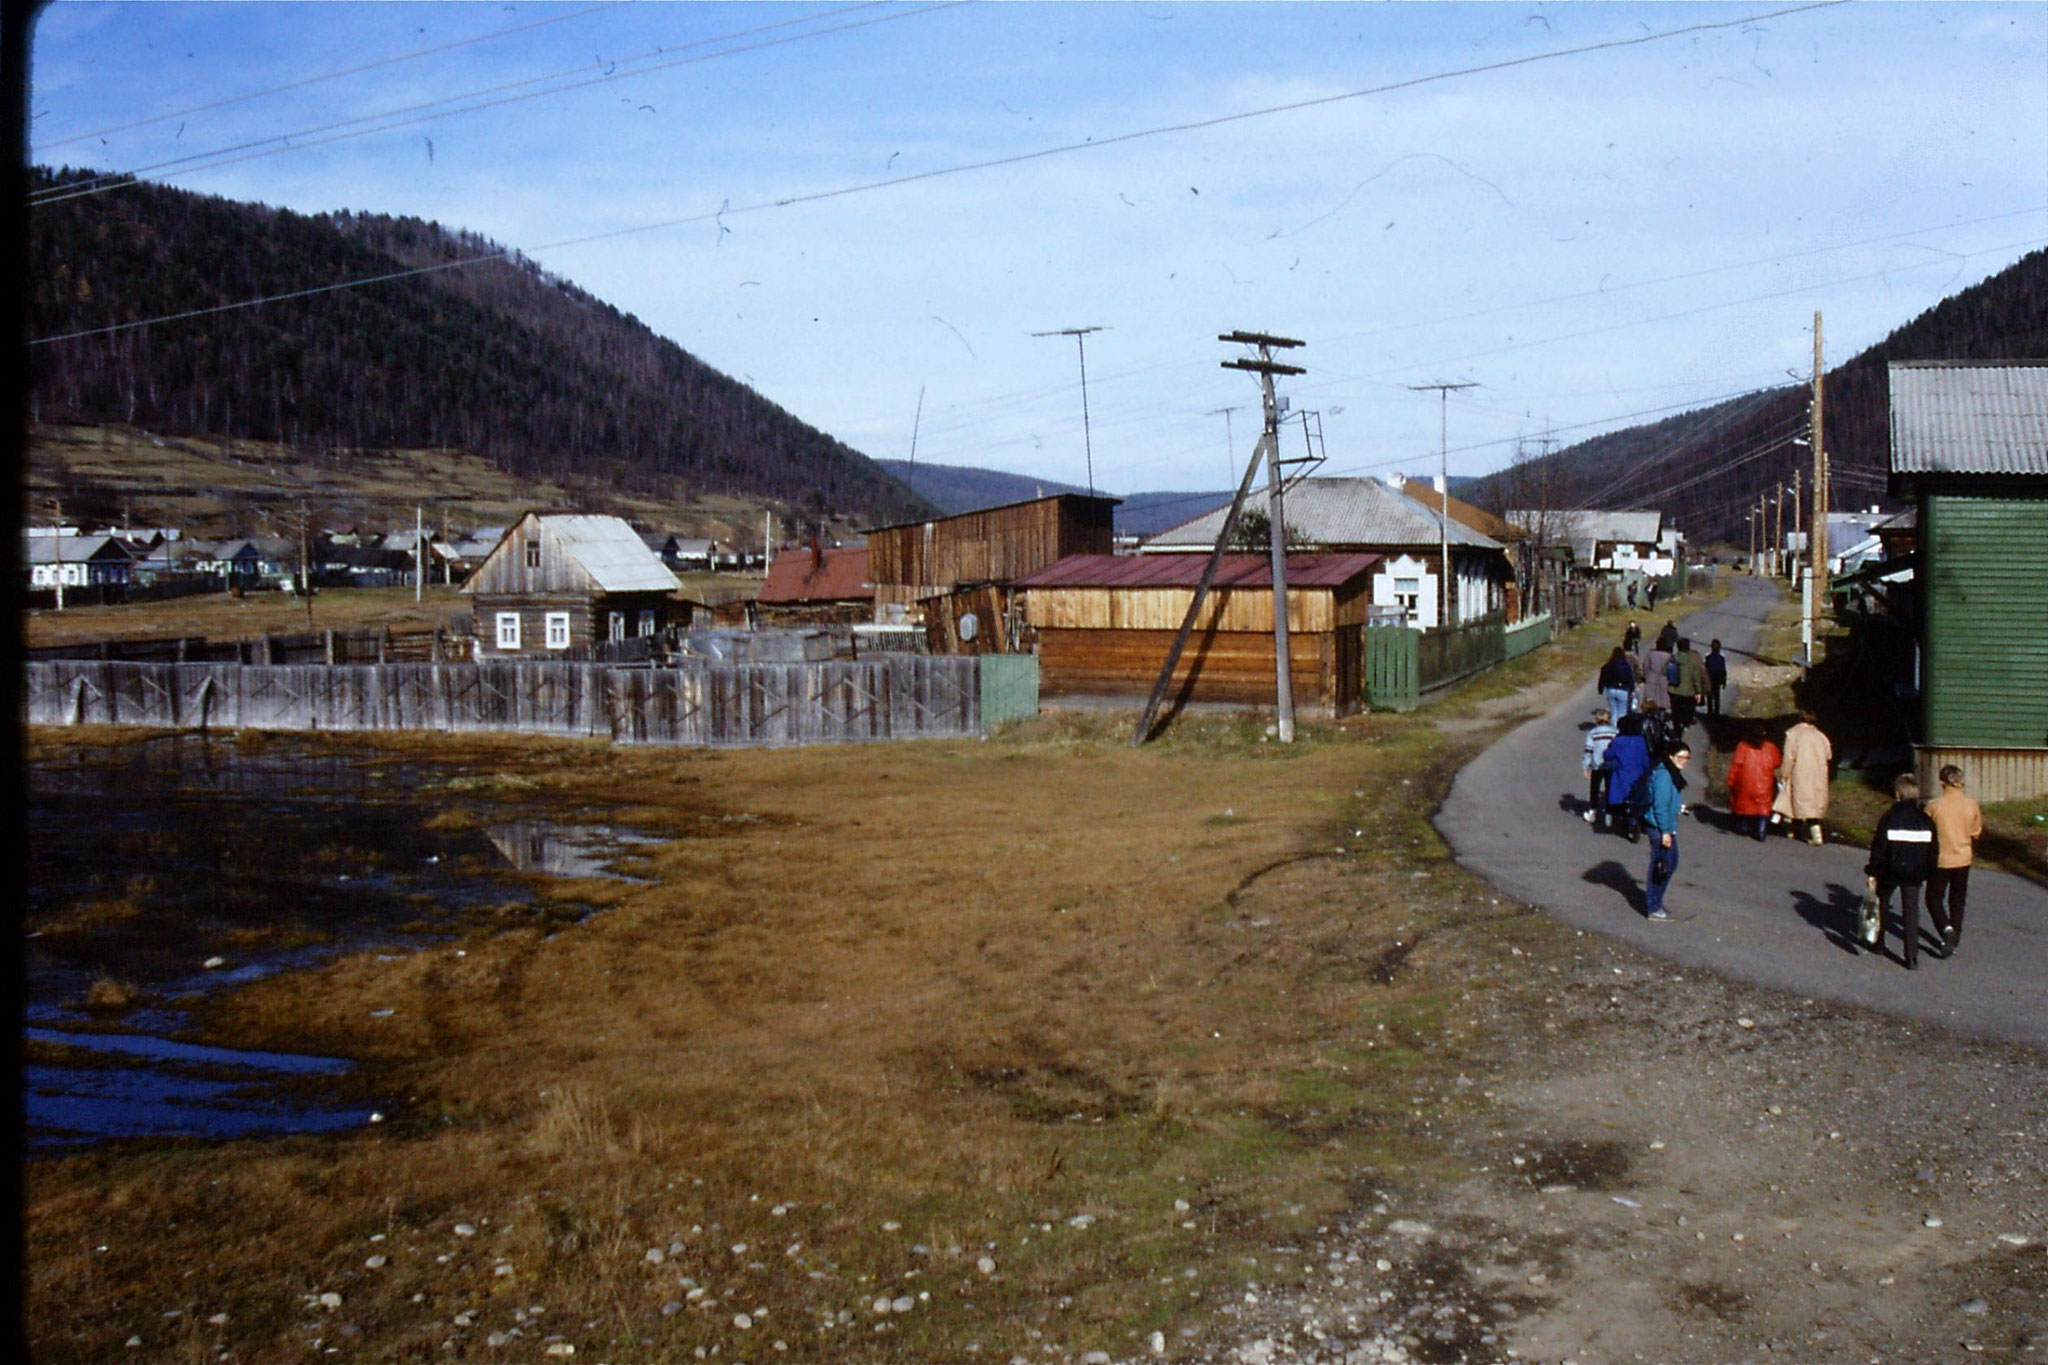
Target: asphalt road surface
x=1779, y=913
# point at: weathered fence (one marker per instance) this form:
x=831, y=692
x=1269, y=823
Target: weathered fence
x=893, y=697
x=1525, y=635
x=421, y=644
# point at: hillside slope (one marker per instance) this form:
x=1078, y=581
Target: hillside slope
x=1707, y=467
x=500, y=358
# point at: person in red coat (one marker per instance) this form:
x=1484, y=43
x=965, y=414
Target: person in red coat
x=1753, y=781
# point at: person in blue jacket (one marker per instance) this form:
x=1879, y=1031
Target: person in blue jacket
x=1667, y=780
x=1626, y=760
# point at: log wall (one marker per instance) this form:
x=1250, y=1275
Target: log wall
x=1234, y=667
x=740, y=705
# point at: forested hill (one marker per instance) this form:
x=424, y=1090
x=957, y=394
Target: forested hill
x=964, y=488
x=1706, y=468
x=498, y=357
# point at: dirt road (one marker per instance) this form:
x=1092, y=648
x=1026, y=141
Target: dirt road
x=1721, y=1140
x=1777, y=913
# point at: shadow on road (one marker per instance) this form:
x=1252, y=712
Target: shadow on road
x=1835, y=917
x=1616, y=878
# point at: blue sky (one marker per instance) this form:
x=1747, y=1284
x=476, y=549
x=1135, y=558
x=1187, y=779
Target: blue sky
x=1591, y=238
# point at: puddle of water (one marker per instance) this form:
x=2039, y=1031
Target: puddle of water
x=162, y=871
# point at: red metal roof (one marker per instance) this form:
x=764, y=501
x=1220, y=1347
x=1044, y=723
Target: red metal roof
x=797, y=576
x=1185, y=570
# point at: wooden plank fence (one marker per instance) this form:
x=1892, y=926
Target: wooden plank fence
x=715, y=705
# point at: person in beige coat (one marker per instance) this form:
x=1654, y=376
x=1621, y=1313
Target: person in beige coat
x=1803, y=793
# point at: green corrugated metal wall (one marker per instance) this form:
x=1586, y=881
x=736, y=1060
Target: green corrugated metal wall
x=1984, y=672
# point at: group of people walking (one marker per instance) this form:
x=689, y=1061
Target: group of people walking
x=1637, y=753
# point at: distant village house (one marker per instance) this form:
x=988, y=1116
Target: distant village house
x=559, y=581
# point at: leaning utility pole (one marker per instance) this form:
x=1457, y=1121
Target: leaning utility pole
x=1087, y=443
x=1268, y=449
x=1265, y=367
x=1795, y=514
x=1817, y=533
x=1443, y=620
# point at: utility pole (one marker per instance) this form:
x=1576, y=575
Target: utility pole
x=1265, y=367
x=1817, y=533
x=1087, y=443
x=1751, y=520
x=1229, y=441
x=1795, y=508
x=1778, y=538
x=419, y=553
x=1444, y=490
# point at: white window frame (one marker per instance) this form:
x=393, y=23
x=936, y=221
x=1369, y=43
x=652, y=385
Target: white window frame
x=617, y=631
x=646, y=621
x=508, y=630
x=558, y=629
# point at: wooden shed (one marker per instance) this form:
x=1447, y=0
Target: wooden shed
x=1105, y=624
x=1970, y=444
x=817, y=585
x=560, y=581
x=916, y=560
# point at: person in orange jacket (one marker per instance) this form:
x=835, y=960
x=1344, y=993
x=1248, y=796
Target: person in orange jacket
x=1753, y=781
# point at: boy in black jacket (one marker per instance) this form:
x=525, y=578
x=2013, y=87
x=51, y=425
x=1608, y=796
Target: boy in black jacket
x=1901, y=856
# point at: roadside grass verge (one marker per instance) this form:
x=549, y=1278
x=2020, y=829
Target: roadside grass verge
x=2015, y=832
x=923, y=1051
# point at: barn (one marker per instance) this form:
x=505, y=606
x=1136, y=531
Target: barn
x=950, y=567
x=561, y=581
x=1106, y=622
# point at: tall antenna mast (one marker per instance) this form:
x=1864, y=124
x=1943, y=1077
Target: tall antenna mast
x=1443, y=616
x=1087, y=442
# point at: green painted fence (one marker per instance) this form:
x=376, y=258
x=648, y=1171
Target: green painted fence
x=1402, y=666
x=1009, y=688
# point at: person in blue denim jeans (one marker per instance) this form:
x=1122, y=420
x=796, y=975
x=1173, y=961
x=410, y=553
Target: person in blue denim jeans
x=1667, y=780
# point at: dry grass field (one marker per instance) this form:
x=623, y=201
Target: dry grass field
x=221, y=616
x=214, y=487
x=913, y=1052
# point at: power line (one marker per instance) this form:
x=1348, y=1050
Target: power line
x=397, y=118
x=1020, y=158
x=417, y=53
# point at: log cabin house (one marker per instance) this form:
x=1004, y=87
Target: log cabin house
x=562, y=581
x=1105, y=623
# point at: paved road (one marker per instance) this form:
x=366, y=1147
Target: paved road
x=1778, y=913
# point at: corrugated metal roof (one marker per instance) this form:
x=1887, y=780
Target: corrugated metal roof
x=1339, y=512
x=841, y=576
x=610, y=551
x=67, y=549
x=1308, y=570
x=1950, y=418
x=1584, y=528
x=1478, y=518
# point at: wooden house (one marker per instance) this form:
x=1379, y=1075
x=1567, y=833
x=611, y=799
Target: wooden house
x=1969, y=444
x=76, y=561
x=817, y=585
x=1106, y=622
x=1524, y=594
x=559, y=581
x=913, y=563
x=1405, y=538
